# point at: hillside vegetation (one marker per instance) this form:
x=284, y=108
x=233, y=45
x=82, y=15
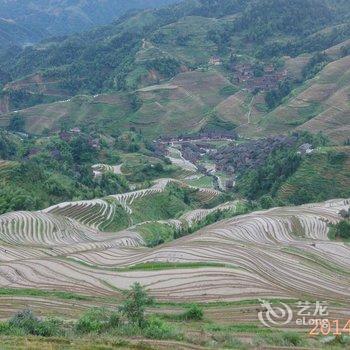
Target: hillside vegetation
x=174, y=178
x=155, y=72
x=322, y=175
x=321, y=104
x=34, y=20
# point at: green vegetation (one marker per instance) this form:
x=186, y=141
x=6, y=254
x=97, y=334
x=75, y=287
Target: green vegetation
x=17, y=123
x=322, y=175
x=120, y=221
x=166, y=265
x=26, y=323
x=123, y=326
x=194, y=313
x=155, y=233
x=274, y=97
x=215, y=123
x=169, y=204
x=97, y=321
x=228, y=90
x=268, y=178
x=48, y=170
x=24, y=292
x=281, y=339
x=341, y=230
x=135, y=304
x=31, y=24
x=129, y=320
x=315, y=65
x=269, y=181
x=21, y=99
x=54, y=170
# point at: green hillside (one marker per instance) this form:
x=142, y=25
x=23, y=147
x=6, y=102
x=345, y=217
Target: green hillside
x=322, y=175
x=174, y=177
x=113, y=49
x=171, y=108
x=34, y=20
x=12, y=33
x=165, y=71
x=319, y=105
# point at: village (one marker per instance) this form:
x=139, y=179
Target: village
x=222, y=157
x=262, y=78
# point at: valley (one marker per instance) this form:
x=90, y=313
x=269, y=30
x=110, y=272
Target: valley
x=175, y=174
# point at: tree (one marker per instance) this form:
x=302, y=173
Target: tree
x=266, y=202
x=135, y=304
x=195, y=312
x=17, y=123
x=344, y=51
x=274, y=98
x=342, y=229
x=136, y=102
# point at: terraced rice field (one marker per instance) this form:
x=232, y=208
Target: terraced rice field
x=278, y=253
x=103, y=168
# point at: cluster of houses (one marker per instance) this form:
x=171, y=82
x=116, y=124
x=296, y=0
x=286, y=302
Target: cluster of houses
x=68, y=135
x=245, y=75
x=210, y=135
x=250, y=155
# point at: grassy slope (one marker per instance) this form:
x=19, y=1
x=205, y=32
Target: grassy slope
x=180, y=104
x=197, y=49
x=12, y=33
x=169, y=204
x=321, y=104
x=323, y=175
x=165, y=109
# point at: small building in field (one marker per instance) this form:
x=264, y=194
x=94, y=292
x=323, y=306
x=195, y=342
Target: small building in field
x=305, y=148
x=215, y=61
x=75, y=130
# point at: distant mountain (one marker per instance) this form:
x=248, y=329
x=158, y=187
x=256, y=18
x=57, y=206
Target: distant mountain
x=263, y=67
x=13, y=34
x=26, y=22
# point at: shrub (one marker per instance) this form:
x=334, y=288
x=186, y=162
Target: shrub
x=266, y=202
x=26, y=322
x=17, y=123
x=195, y=313
x=158, y=329
x=281, y=339
x=341, y=229
x=6, y=329
x=291, y=339
x=97, y=320
x=227, y=340
x=49, y=328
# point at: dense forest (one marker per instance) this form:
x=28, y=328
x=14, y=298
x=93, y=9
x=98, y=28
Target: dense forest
x=31, y=21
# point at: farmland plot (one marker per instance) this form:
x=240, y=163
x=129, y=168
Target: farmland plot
x=278, y=253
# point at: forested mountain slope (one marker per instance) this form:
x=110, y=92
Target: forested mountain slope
x=12, y=33
x=276, y=66
x=38, y=19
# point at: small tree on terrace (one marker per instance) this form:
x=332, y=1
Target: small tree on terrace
x=17, y=123
x=135, y=304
